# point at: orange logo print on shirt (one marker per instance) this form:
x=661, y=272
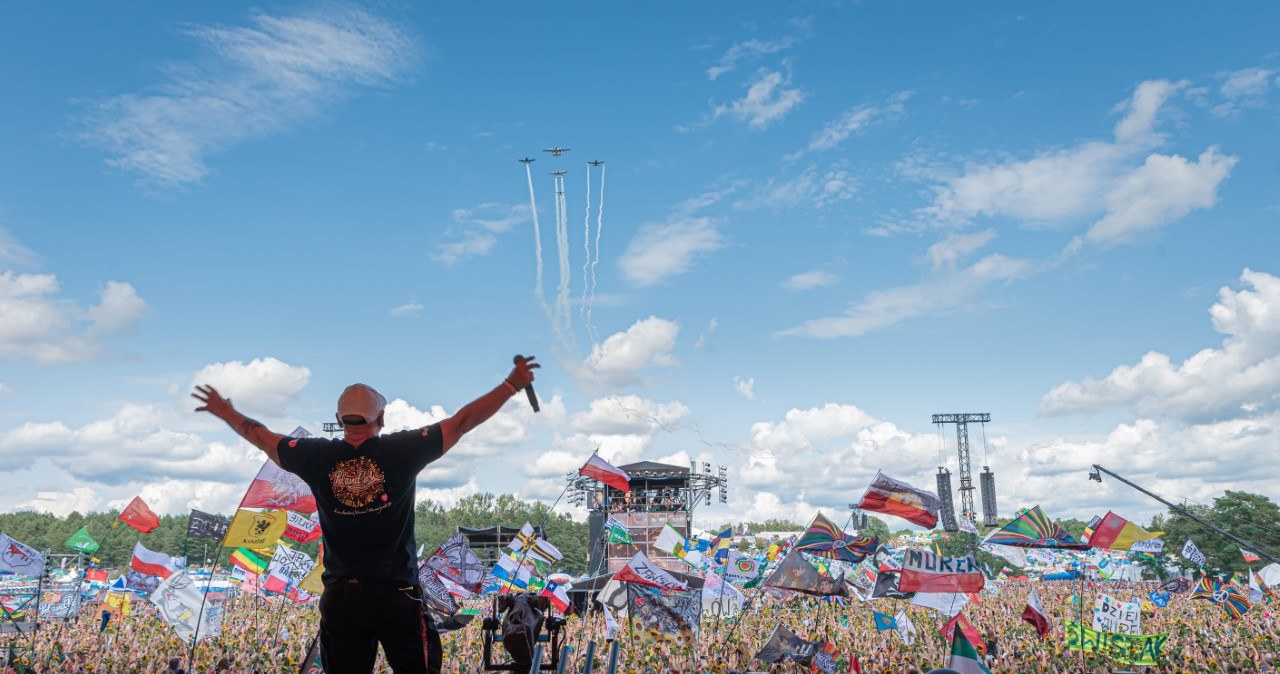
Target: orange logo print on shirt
x=356, y=482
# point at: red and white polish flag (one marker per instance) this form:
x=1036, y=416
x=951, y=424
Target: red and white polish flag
x=598, y=469
x=1034, y=614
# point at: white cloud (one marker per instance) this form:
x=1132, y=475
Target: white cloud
x=263, y=386
x=939, y=292
x=623, y=356
x=706, y=336
x=1123, y=183
x=812, y=187
x=249, y=82
x=14, y=254
x=1245, y=88
x=5, y=389
x=745, y=387
x=748, y=49
x=63, y=503
x=1240, y=378
x=409, y=309
x=810, y=280
x=661, y=251
x=448, y=497
x=475, y=231
x=35, y=323
x=622, y=428
x=1138, y=123
x=1164, y=189
x=508, y=428
x=949, y=252
x=854, y=120
x=768, y=100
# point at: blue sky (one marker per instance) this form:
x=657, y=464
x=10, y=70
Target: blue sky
x=823, y=222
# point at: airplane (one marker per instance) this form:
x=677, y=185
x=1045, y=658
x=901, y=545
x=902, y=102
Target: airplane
x=557, y=173
x=557, y=150
x=527, y=160
x=596, y=163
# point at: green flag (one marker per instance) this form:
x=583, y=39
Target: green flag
x=618, y=532
x=82, y=541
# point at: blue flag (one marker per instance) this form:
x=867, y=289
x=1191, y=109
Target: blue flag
x=1159, y=598
x=884, y=622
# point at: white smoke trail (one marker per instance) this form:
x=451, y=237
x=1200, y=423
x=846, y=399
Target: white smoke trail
x=586, y=247
x=562, y=243
x=537, y=241
x=591, y=298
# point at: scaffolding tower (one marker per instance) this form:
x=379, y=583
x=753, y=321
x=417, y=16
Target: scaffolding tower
x=962, y=421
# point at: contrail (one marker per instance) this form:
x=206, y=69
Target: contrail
x=586, y=247
x=562, y=243
x=596, y=260
x=537, y=241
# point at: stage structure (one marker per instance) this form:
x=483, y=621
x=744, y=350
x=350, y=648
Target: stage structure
x=967, y=509
x=661, y=494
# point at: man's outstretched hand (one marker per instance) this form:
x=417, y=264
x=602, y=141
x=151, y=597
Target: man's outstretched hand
x=213, y=401
x=522, y=374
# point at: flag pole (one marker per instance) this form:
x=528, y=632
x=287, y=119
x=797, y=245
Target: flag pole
x=204, y=596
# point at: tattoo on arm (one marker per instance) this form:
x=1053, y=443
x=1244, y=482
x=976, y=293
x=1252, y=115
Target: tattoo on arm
x=248, y=426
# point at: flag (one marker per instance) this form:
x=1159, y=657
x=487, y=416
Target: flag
x=1231, y=598
x=300, y=528
x=1151, y=546
x=670, y=541
x=118, y=602
x=82, y=541
x=893, y=497
x=783, y=644
x=517, y=574
x=667, y=614
x=611, y=627
x=924, y=571
x=139, y=516
x=313, y=582
x=906, y=629
x=960, y=625
x=247, y=560
x=641, y=571
x=435, y=593
x=1192, y=554
x=205, y=525
x=741, y=566
x=287, y=569
x=946, y=603
x=1034, y=529
x=827, y=658
x=824, y=539
x=539, y=551
x=558, y=594
x=275, y=488
x=796, y=573
x=1116, y=533
x=618, y=532
x=1159, y=598
x=965, y=658
x=151, y=563
x=883, y=622
x=179, y=604
x=886, y=587
x=1249, y=557
x=1035, y=615
x=19, y=558
x=255, y=529
x=600, y=470
x=95, y=575
x=455, y=560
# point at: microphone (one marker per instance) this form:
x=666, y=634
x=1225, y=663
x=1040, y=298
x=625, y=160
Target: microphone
x=528, y=390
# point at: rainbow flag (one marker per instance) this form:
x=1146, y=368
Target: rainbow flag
x=247, y=560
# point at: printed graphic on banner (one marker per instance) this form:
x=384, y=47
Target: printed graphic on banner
x=1120, y=617
x=1136, y=649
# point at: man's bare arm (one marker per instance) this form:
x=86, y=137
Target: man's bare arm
x=250, y=429
x=481, y=409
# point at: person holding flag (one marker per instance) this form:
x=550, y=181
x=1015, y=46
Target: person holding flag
x=364, y=485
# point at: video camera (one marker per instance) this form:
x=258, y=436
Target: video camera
x=520, y=622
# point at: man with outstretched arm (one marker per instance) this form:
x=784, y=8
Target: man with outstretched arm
x=364, y=488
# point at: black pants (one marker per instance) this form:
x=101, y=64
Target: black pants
x=357, y=615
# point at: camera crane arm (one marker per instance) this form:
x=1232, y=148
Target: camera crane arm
x=1096, y=475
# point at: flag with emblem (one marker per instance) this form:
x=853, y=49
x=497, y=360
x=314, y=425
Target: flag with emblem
x=255, y=529
x=139, y=516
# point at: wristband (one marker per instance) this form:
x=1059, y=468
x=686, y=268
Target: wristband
x=514, y=390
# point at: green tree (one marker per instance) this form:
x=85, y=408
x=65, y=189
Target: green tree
x=1252, y=517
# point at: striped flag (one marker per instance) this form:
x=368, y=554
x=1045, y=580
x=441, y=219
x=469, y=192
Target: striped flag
x=964, y=657
x=600, y=470
x=151, y=563
x=894, y=497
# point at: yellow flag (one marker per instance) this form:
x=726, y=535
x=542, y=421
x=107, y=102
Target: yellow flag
x=311, y=582
x=117, y=602
x=255, y=529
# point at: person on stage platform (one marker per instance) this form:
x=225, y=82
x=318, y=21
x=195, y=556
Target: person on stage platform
x=364, y=489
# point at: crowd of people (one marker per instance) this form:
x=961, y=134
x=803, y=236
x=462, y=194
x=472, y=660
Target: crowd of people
x=268, y=636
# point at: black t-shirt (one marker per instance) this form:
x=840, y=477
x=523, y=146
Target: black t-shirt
x=365, y=497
